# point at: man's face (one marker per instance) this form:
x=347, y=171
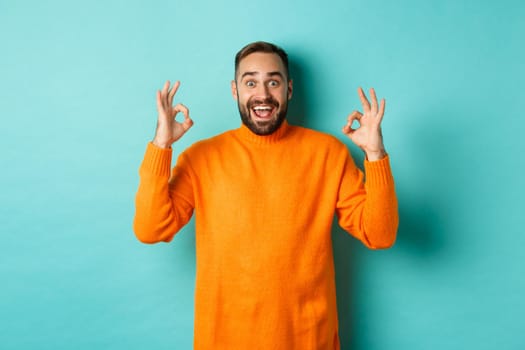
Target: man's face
x=262, y=91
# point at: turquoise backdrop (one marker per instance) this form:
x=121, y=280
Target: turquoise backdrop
x=77, y=107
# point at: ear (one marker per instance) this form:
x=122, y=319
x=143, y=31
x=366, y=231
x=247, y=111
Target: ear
x=290, y=89
x=234, y=90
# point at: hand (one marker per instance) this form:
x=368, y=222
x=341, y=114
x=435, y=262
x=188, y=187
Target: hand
x=368, y=135
x=169, y=129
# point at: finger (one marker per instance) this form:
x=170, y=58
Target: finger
x=165, y=88
x=381, y=111
x=180, y=108
x=347, y=130
x=355, y=115
x=160, y=105
x=164, y=93
x=187, y=122
x=373, y=97
x=364, y=100
x=172, y=92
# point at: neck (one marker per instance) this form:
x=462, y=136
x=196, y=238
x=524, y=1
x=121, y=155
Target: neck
x=274, y=137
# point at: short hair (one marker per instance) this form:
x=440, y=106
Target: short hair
x=265, y=47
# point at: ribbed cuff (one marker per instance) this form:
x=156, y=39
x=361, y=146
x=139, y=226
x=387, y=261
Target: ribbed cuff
x=378, y=173
x=157, y=160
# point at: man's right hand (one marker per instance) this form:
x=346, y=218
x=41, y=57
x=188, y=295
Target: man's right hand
x=169, y=129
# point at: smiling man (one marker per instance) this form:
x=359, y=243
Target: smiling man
x=262, y=89
x=264, y=197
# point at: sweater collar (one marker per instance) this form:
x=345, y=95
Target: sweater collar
x=245, y=133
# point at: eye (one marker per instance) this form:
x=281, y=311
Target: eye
x=250, y=83
x=273, y=83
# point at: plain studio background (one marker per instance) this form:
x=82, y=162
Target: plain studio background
x=77, y=107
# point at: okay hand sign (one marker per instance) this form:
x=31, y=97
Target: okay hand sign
x=169, y=129
x=367, y=135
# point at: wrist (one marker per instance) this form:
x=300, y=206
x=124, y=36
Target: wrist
x=375, y=155
x=161, y=144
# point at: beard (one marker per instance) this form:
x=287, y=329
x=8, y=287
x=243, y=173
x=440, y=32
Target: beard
x=266, y=127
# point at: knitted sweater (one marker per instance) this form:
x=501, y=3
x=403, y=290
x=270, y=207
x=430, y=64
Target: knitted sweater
x=264, y=207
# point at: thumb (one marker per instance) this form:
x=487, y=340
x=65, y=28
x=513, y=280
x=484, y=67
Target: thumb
x=187, y=124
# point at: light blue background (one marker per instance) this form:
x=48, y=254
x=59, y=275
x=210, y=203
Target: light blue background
x=77, y=107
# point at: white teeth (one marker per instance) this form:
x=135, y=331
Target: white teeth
x=262, y=108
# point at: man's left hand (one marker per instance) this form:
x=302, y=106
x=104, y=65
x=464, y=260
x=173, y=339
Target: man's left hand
x=367, y=135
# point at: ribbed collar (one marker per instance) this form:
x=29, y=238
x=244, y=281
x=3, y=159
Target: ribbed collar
x=246, y=134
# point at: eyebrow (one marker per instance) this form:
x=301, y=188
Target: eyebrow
x=271, y=74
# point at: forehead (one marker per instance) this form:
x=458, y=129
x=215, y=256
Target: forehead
x=261, y=63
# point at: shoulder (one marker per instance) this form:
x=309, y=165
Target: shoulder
x=210, y=145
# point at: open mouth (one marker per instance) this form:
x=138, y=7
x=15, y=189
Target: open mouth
x=263, y=111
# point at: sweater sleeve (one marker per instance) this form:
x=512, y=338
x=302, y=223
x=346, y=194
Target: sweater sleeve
x=368, y=210
x=163, y=203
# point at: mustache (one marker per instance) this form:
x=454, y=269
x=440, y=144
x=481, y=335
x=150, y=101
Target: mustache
x=267, y=101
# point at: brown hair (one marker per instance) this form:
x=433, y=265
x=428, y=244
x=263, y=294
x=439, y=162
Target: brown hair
x=262, y=46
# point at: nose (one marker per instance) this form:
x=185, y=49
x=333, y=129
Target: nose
x=263, y=91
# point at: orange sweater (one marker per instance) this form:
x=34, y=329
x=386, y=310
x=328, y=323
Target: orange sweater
x=263, y=211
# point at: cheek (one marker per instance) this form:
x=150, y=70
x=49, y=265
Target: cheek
x=284, y=96
x=244, y=99
x=243, y=94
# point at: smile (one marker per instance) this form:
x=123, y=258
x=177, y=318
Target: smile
x=263, y=111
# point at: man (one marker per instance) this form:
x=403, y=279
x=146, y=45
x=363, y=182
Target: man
x=264, y=197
